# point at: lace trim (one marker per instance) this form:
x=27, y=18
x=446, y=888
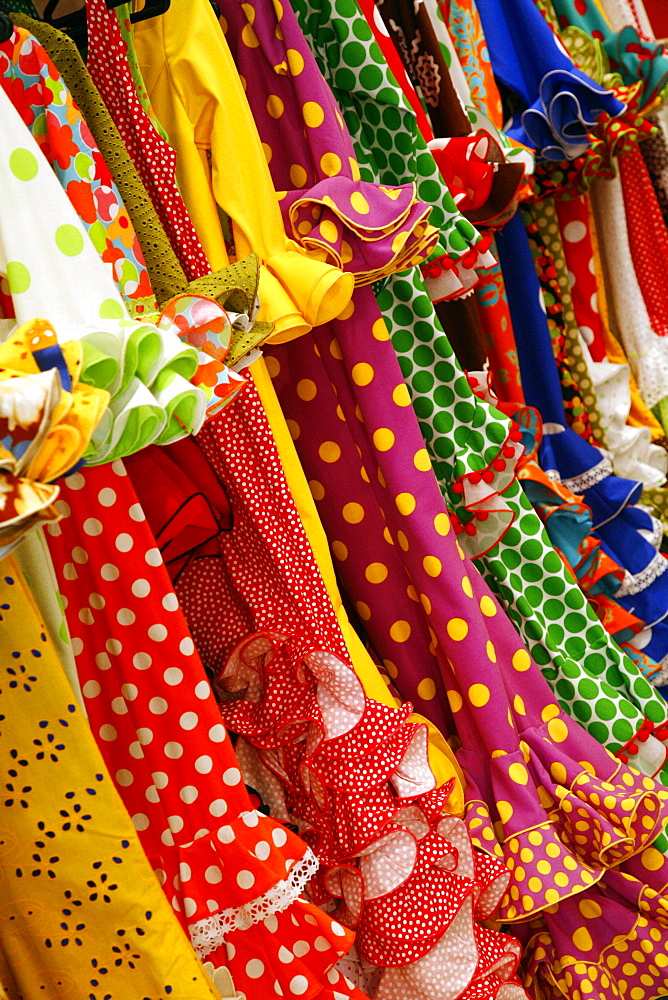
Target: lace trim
x=634, y=584
x=585, y=481
x=661, y=677
x=208, y=934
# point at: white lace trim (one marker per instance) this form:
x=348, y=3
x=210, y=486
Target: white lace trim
x=208, y=934
x=585, y=481
x=634, y=584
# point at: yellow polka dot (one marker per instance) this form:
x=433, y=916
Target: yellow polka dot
x=558, y=730
x=317, y=489
x=553, y=850
x=313, y=114
x=268, y=152
x=304, y=228
x=403, y=541
x=359, y=203
x=249, y=11
x=354, y=168
x=518, y=705
x=365, y=475
x=376, y=572
x=363, y=610
x=405, y=503
x=535, y=838
x=455, y=700
x=391, y=668
x=651, y=859
x=379, y=330
x=335, y=350
x=521, y=660
x=551, y=896
x=520, y=874
x=535, y=884
x=353, y=513
x=340, y=551
x=401, y=395
x=487, y=606
x=273, y=366
x=561, y=879
x=479, y=694
x=434, y=567
x=383, y=438
x=329, y=232
x=442, y=524
x=330, y=164
x=412, y=593
x=421, y=460
x=306, y=389
x=526, y=855
x=426, y=689
x=549, y=712
x=387, y=536
x=426, y=603
x=589, y=909
x=491, y=651
x=358, y=414
x=544, y=867
x=298, y=175
x=400, y=631
x=244, y=84
x=294, y=428
x=499, y=753
x=570, y=862
x=248, y=37
x=295, y=61
x=582, y=939
x=466, y=586
x=362, y=373
x=399, y=241
x=505, y=810
x=346, y=252
x=329, y=451
x=457, y=627
x=519, y=774
x=275, y=106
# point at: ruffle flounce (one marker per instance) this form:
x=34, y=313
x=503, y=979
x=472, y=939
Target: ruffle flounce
x=369, y=230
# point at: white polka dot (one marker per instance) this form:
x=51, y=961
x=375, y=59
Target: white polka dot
x=153, y=557
x=262, y=850
x=271, y=923
x=218, y=807
x=170, y=602
x=160, y=779
x=124, y=542
x=91, y=689
x=85, y=616
x=188, y=720
x=77, y=646
x=124, y=777
x=213, y=874
x=144, y=735
x=69, y=571
x=202, y=690
x=114, y=647
x=167, y=838
x=158, y=706
x=176, y=905
x=129, y=691
x=140, y=821
x=285, y=956
x=76, y=481
x=125, y=616
x=321, y=943
x=160, y=875
x=250, y=819
x=151, y=794
x=571, y=279
x=225, y=835
x=63, y=508
x=96, y=601
x=188, y=794
x=277, y=989
x=574, y=231
x=158, y=633
x=232, y=776
x=108, y=733
x=187, y=646
x=204, y=764
x=107, y=497
x=118, y=467
x=142, y=661
x=173, y=676
x=173, y=750
x=254, y=968
x=102, y=661
x=217, y=733
x=190, y=906
x=176, y=823
x=279, y=836
x=185, y=874
x=301, y=948
x=135, y=750
x=79, y=555
x=119, y=707
x=337, y=929
x=92, y=526
x=245, y=879
x=141, y=588
x=54, y=529
x=594, y=302
x=109, y=572
x=136, y=512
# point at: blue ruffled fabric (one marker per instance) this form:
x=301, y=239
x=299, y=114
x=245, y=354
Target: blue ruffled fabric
x=622, y=528
x=559, y=103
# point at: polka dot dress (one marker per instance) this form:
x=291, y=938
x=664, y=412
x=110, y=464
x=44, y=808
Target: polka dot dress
x=223, y=866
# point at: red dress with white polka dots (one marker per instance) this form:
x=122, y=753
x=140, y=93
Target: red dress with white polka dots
x=225, y=867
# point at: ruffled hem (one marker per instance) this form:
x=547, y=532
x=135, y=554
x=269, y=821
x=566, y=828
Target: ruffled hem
x=446, y=277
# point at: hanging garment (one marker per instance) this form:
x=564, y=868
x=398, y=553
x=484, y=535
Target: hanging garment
x=152, y=711
x=82, y=910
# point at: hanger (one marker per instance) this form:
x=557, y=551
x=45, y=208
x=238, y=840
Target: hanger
x=6, y=26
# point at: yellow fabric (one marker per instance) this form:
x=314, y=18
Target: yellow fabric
x=639, y=415
x=82, y=912
x=441, y=757
x=195, y=89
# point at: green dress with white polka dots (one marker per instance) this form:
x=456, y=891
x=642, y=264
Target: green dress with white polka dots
x=593, y=680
